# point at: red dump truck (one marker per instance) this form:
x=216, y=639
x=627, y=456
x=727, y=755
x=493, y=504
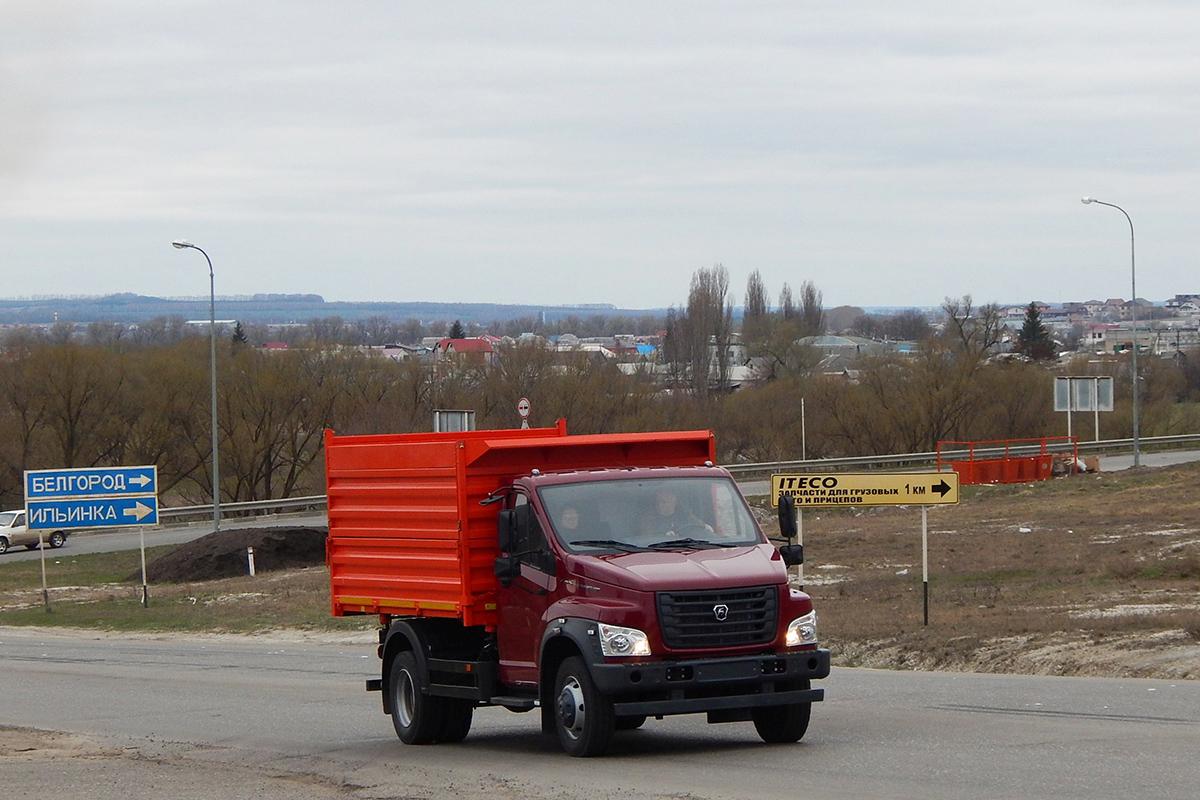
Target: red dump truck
x=601, y=579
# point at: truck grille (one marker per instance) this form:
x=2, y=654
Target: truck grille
x=694, y=619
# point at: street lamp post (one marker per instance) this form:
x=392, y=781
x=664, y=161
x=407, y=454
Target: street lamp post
x=1137, y=462
x=212, y=331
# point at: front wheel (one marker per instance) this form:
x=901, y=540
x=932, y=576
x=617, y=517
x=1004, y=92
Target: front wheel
x=583, y=716
x=3, y=545
x=416, y=716
x=780, y=724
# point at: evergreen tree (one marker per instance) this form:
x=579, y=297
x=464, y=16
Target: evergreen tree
x=457, y=331
x=239, y=336
x=1034, y=340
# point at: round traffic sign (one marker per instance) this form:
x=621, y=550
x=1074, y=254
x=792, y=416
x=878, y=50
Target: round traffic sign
x=523, y=407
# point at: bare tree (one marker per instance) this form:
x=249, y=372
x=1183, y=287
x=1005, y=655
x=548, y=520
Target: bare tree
x=974, y=331
x=756, y=321
x=787, y=306
x=812, y=315
x=704, y=331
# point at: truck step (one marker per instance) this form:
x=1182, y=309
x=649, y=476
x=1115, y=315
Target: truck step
x=515, y=703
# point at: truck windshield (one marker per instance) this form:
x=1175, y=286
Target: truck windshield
x=645, y=515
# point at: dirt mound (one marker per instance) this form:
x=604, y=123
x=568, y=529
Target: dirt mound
x=223, y=554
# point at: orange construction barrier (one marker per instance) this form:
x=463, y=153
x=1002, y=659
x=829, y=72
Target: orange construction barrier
x=1006, y=460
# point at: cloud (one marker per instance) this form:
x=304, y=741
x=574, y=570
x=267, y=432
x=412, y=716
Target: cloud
x=892, y=153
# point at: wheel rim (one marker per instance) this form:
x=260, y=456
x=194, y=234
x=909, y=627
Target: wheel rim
x=56, y=539
x=572, y=714
x=406, y=698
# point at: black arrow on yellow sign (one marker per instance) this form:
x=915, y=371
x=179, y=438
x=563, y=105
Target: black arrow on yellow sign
x=941, y=488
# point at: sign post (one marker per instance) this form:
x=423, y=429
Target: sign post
x=92, y=497
x=925, y=560
x=831, y=490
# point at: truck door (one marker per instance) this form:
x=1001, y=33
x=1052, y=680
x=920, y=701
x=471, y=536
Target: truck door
x=522, y=602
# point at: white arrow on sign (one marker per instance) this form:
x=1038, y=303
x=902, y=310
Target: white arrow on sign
x=138, y=511
x=140, y=480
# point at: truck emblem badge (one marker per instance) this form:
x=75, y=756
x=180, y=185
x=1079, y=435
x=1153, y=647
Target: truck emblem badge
x=721, y=612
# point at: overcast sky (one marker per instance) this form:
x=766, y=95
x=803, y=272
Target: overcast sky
x=568, y=152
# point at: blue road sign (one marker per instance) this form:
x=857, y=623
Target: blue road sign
x=92, y=497
x=49, y=484
x=92, y=512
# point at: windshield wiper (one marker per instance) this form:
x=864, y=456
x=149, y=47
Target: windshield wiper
x=613, y=543
x=685, y=544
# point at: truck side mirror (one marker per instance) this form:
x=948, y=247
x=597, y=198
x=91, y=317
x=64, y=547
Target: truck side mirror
x=506, y=531
x=792, y=554
x=512, y=529
x=787, y=517
x=507, y=569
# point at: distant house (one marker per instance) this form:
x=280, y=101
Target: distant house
x=1097, y=335
x=1018, y=312
x=1116, y=308
x=1184, y=302
x=479, y=350
x=396, y=352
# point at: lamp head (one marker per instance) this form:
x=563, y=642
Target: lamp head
x=1085, y=201
x=180, y=244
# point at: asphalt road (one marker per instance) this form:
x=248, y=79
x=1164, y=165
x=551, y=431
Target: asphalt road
x=228, y=717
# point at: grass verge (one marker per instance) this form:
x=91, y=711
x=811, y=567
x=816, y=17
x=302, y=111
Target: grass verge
x=89, y=591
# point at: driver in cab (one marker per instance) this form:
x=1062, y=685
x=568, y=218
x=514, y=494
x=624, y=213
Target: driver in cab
x=668, y=521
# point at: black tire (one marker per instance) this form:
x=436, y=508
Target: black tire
x=631, y=723
x=57, y=539
x=583, y=716
x=782, y=724
x=3, y=545
x=456, y=719
x=416, y=716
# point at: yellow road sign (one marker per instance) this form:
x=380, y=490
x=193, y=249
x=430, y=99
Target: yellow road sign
x=867, y=489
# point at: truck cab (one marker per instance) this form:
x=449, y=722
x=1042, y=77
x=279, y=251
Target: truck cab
x=648, y=591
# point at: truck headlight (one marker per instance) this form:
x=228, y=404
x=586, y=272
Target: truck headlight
x=802, y=630
x=618, y=641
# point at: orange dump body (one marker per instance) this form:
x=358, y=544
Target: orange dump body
x=407, y=535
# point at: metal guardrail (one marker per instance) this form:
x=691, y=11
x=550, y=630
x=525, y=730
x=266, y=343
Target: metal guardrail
x=317, y=501
x=927, y=459
x=205, y=511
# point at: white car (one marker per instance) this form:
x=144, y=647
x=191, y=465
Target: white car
x=13, y=532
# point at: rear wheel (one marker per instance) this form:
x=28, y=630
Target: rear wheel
x=57, y=538
x=583, y=716
x=780, y=724
x=416, y=717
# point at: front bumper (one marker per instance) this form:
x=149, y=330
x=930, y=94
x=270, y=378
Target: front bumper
x=659, y=688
